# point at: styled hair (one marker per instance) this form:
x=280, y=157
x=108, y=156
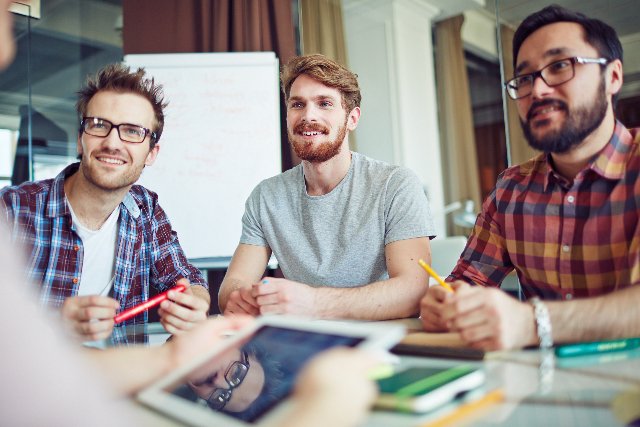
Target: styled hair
x=598, y=34
x=327, y=72
x=120, y=78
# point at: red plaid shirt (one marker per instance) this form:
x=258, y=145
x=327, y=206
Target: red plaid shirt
x=147, y=250
x=564, y=239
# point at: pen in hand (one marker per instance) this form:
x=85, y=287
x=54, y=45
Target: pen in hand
x=128, y=314
x=435, y=275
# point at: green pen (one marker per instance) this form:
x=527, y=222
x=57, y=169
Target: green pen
x=582, y=349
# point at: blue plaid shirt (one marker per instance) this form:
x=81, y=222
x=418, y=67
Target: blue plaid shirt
x=147, y=251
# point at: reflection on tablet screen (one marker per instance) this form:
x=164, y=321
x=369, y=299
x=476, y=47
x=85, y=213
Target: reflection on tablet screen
x=249, y=379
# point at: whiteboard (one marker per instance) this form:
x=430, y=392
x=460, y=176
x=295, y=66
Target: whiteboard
x=221, y=138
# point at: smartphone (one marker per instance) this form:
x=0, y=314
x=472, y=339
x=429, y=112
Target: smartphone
x=424, y=389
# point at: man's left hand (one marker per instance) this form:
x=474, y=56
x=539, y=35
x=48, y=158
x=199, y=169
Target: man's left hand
x=282, y=296
x=182, y=310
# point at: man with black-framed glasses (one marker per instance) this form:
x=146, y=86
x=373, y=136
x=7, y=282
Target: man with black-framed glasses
x=568, y=220
x=94, y=241
x=235, y=382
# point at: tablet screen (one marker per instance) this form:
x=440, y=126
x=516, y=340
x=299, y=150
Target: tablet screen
x=247, y=380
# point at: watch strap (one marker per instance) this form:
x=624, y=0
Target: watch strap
x=543, y=322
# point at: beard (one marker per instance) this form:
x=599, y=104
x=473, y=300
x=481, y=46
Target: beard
x=578, y=125
x=109, y=182
x=319, y=153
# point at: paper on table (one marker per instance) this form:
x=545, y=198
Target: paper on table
x=444, y=339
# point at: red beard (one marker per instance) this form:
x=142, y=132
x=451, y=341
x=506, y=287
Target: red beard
x=316, y=153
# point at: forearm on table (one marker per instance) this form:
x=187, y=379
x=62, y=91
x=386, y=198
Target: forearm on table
x=201, y=292
x=230, y=284
x=246, y=268
x=131, y=369
x=394, y=298
x=614, y=315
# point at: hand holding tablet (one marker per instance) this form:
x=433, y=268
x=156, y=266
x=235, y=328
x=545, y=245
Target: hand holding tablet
x=246, y=378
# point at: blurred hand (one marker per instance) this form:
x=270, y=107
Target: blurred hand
x=489, y=318
x=90, y=317
x=432, y=309
x=242, y=302
x=184, y=347
x=282, y=296
x=182, y=310
x=338, y=380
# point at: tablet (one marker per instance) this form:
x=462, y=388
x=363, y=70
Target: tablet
x=422, y=389
x=244, y=380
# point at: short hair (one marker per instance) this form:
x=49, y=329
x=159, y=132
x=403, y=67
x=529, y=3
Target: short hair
x=119, y=78
x=597, y=33
x=327, y=72
x=274, y=382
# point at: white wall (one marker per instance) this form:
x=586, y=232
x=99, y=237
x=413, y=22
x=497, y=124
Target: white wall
x=390, y=48
x=479, y=33
x=631, y=47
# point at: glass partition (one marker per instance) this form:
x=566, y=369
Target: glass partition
x=55, y=53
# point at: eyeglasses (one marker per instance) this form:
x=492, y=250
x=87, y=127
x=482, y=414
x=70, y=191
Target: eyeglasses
x=95, y=126
x=234, y=376
x=554, y=74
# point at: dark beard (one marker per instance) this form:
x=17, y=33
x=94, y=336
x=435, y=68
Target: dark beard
x=321, y=153
x=579, y=124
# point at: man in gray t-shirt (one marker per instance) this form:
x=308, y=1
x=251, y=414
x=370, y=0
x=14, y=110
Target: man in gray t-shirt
x=347, y=230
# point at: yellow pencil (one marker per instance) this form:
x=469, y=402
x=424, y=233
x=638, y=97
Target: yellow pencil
x=435, y=275
x=466, y=409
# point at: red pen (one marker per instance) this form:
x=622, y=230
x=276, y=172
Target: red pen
x=128, y=314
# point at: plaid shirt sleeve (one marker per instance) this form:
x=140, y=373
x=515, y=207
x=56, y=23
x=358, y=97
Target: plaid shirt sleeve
x=485, y=260
x=170, y=262
x=149, y=254
x=566, y=238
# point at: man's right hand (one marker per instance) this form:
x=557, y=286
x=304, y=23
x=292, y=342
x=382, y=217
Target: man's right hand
x=432, y=307
x=90, y=317
x=242, y=302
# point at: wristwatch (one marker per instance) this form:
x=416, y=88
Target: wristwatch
x=543, y=322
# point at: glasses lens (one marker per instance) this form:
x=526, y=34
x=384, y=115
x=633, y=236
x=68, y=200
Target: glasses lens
x=132, y=133
x=558, y=72
x=96, y=127
x=519, y=87
x=236, y=373
x=219, y=398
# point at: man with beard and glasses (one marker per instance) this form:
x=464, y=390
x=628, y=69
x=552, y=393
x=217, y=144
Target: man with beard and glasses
x=566, y=220
x=347, y=230
x=94, y=241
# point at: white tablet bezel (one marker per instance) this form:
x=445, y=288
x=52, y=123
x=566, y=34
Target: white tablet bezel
x=376, y=336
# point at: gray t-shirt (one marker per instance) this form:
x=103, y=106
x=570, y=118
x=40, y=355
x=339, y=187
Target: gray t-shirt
x=337, y=239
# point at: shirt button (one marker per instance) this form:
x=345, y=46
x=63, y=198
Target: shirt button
x=75, y=280
x=565, y=248
x=571, y=199
x=76, y=248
